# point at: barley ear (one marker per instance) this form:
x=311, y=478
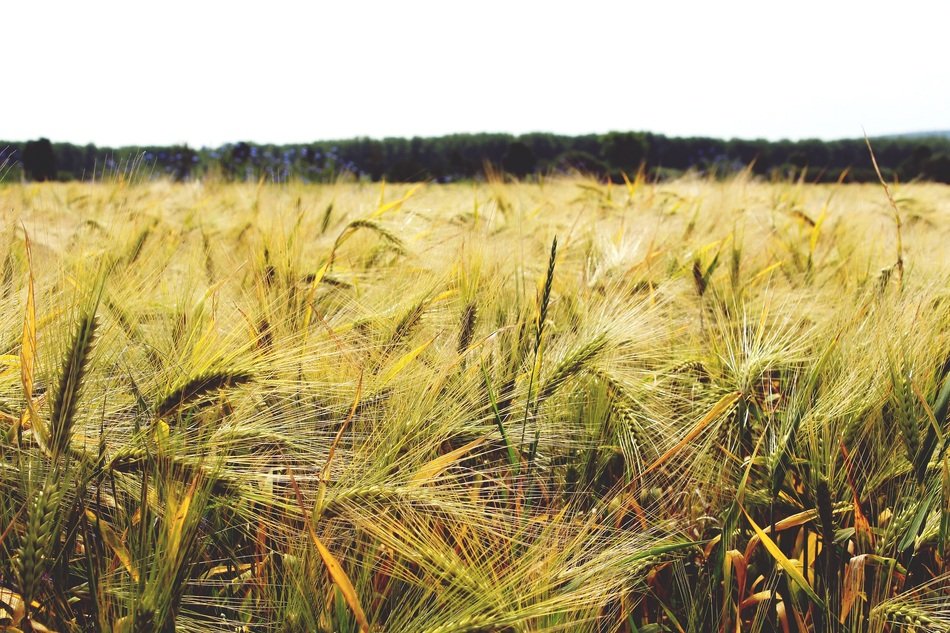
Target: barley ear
x=34, y=552
x=69, y=388
x=197, y=388
x=545, y=295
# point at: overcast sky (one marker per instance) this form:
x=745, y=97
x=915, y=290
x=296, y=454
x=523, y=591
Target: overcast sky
x=207, y=73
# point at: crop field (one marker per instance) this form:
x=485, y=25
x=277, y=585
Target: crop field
x=498, y=407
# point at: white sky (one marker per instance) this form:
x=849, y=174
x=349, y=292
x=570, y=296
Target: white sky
x=206, y=73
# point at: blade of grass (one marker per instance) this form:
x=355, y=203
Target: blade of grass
x=783, y=561
x=28, y=351
x=404, y=361
x=334, y=568
x=720, y=407
x=434, y=468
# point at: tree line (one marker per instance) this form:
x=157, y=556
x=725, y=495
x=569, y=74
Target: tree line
x=471, y=156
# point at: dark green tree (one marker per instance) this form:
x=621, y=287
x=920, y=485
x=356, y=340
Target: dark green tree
x=937, y=168
x=916, y=163
x=39, y=161
x=584, y=162
x=519, y=160
x=182, y=160
x=624, y=150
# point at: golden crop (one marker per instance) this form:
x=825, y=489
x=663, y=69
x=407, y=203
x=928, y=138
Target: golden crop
x=558, y=406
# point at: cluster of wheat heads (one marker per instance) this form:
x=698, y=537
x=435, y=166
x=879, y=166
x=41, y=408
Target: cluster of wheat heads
x=559, y=406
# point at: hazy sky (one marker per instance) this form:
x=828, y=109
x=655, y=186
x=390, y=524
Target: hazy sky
x=206, y=73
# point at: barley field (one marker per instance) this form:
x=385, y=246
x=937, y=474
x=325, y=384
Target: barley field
x=497, y=407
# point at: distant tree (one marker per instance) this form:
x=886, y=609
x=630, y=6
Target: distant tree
x=584, y=162
x=938, y=168
x=797, y=160
x=916, y=163
x=465, y=156
x=624, y=150
x=746, y=152
x=39, y=162
x=365, y=155
x=674, y=154
x=407, y=170
x=234, y=160
x=812, y=153
x=545, y=147
x=403, y=160
x=519, y=160
x=240, y=153
x=89, y=161
x=182, y=160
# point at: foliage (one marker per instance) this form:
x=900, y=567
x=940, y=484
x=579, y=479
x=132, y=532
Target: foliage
x=456, y=157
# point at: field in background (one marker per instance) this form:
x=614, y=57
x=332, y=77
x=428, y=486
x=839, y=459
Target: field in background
x=567, y=406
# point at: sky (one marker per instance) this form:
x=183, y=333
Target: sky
x=206, y=72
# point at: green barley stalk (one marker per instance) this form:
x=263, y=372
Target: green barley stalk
x=539, y=331
x=934, y=428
